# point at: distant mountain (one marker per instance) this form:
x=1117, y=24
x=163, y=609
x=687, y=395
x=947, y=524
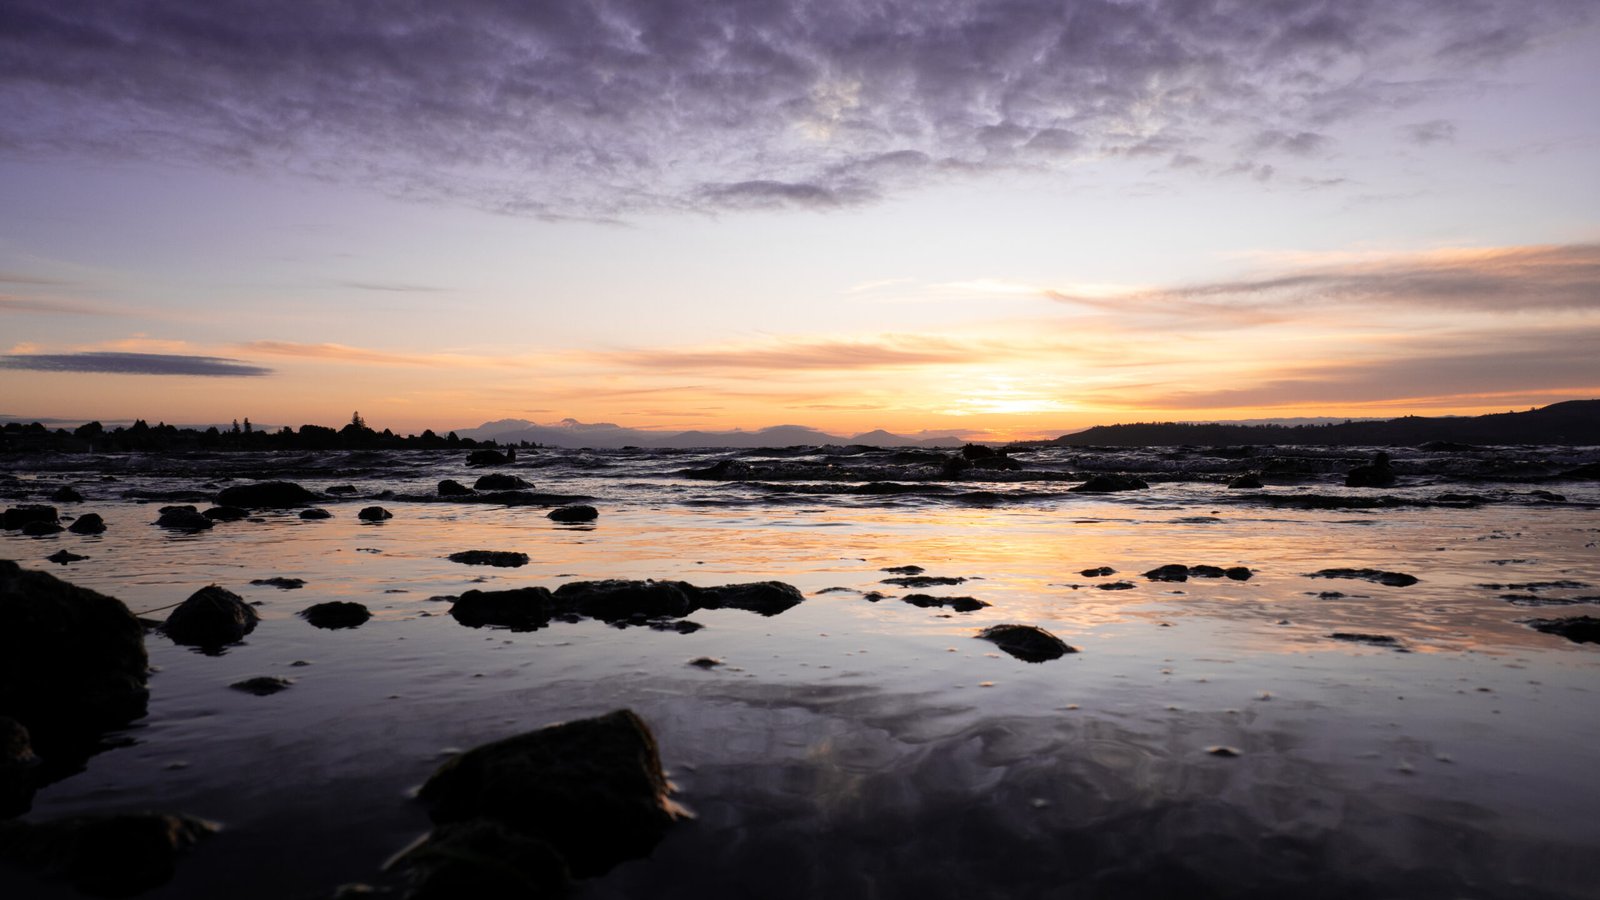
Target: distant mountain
x=1573, y=422
x=571, y=433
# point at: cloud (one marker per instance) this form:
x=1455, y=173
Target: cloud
x=10, y=304
x=131, y=364
x=595, y=110
x=1437, y=131
x=391, y=287
x=344, y=353
x=821, y=354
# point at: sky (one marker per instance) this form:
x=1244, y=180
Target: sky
x=1000, y=219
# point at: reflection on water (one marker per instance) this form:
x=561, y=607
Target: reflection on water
x=876, y=749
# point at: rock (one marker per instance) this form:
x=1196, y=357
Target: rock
x=953, y=467
x=226, y=513
x=499, y=481
x=578, y=513
x=450, y=488
x=593, y=789
x=705, y=662
x=487, y=458
x=1223, y=751
x=1377, y=640
x=502, y=558
x=1376, y=474
x=1106, y=484
x=336, y=614
x=72, y=661
x=1578, y=629
x=342, y=489
x=1445, y=447
x=374, y=514
x=1585, y=472
x=65, y=494
x=767, y=598
x=1237, y=573
x=88, y=523
x=959, y=604
x=681, y=626
x=1549, y=496
x=616, y=599
x=977, y=451
x=483, y=860
x=278, y=581
x=521, y=609
x=262, y=685
x=62, y=557
x=1206, y=572
x=1171, y=572
x=1101, y=572
x=17, y=516
x=1250, y=480
x=211, y=617
x=1392, y=579
x=269, y=494
x=315, y=512
x=923, y=581
x=1117, y=586
x=17, y=767
x=904, y=570
x=1028, y=643
x=105, y=856
x=41, y=529
x=183, y=518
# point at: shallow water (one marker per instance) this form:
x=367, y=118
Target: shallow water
x=876, y=749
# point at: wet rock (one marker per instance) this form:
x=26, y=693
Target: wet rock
x=1028, y=643
x=1237, y=573
x=959, y=604
x=681, y=626
x=923, y=581
x=1578, y=629
x=1445, y=447
x=315, y=512
x=452, y=488
x=1171, y=572
x=767, y=598
x=593, y=789
x=1375, y=474
x=616, y=599
x=374, y=514
x=278, y=581
x=265, y=494
x=953, y=467
x=212, y=617
x=1376, y=640
x=483, y=860
x=1106, y=484
x=1117, y=586
x=488, y=458
x=262, y=685
x=88, y=523
x=183, y=518
x=499, y=482
x=1101, y=572
x=17, y=767
x=342, y=489
x=72, y=661
x=104, y=856
x=226, y=513
x=977, y=451
x=578, y=513
x=336, y=614
x=62, y=557
x=504, y=559
x=1377, y=576
x=17, y=516
x=1206, y=572
x=65, y=494
x=705, y=662
x=521, y=609
x=1223, y=751
x=904, y=570
x=1248, y=481
x=41, y=529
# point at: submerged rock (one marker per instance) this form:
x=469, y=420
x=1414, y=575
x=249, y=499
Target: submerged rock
x=88, y=523
x=1376, y=474
x=42, y=529
x=1170, y=572
x=263, y=685
x=499, y=482
x=212, y=617
x=1247, y=481
x=1238, y=573
x=1106, y=484
x=578, y=513
x=489, y=458
x=617, y=599
x=504, y=559
x=16, y=517
x=904, y=570
x=280, y=582
x=1578, y=629
x=336, y=614
x=768, y=598
x=923, y=581
x=269, y=494
x=374, y=514
x=62, y=557
x=1376, y=640
x=592, y=789
x=521, y=609
x=342, y=489
x=1028, y=643
x=959, y=604
x=104, y=856
x=452, y=488
x=315, y=512
x=226, y=513
x=183, y=518
x=66, y=494
x=1117, y=586
x=1101, y=572
x=1377, y=576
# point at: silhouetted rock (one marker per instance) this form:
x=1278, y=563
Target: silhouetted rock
x=17, y=516
x=336, y=614
x=1100, y=572
x=484, y=860
x=280, y=582
x=226, y=513
x=62, y=557
x=977, y=451
x=1578, y=629
x=959, y=604
x=1445, y=447
x=487, y=458
x=1250, y=480
x=1028, y=643
x=504, y=559
x=17, y=768
x=263, y=685
x=1238, y=573
x=269, y=494
x=183, y=518
x=212, y=617
x=593, y=789
x=452, y=488
x=1171, y=572
x=571, y=514
x=66, y=494
x=374, y=514
x=1117, y=586
x=88, y=523
x=904, y=570
x=768, y=598
x=315, y=512
x=1376, y=640
x=1376, y=474
x=1206, y=572
x=1106, y=484
x=41, y=529
x=521, y=609
x=499, y=481
x=1377, y=576
x=104, y=856
x=616, y=599
x=342, y=489
x=923, y=581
